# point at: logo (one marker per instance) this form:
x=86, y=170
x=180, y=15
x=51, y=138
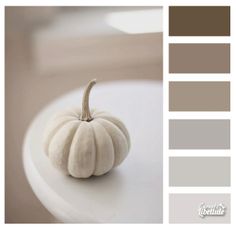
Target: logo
x=211, y=210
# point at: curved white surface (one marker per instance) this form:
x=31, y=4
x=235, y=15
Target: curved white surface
x=130, y=193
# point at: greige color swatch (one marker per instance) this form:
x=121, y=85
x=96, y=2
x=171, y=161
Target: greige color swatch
x=199, y=58
x=199, y=134
x=199, y=21
x=199, y=171
x=199, y=96
x=184, y=208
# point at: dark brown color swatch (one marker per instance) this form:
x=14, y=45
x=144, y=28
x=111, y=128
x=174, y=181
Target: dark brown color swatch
x=199, y=21
x=199, y=58
x=199, y=96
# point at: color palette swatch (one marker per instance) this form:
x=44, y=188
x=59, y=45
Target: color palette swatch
x=199, y=58
x=194, y=171
x=188, y=208
x=199, y=96
x=199, y=134
x=199, y=21
x=198, y=102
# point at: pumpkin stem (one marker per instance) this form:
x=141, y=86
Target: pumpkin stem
x=85, y=115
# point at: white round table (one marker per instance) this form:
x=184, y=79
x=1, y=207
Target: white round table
x=130, y=193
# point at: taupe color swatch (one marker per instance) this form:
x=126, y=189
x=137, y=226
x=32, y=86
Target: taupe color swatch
x=199, y=21
x=199, y=96
x=199, y=171
x=184, y=208
x=199, y=134
x=199, y=58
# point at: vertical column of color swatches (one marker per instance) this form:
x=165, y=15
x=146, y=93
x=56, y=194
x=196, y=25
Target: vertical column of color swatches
x=197, y=59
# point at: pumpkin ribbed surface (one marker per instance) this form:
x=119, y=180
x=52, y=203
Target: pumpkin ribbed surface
x=85, y=148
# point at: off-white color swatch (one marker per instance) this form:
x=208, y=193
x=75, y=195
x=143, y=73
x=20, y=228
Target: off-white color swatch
x=184, y=208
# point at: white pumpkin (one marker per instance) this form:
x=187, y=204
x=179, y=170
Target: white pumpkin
x=82, y=144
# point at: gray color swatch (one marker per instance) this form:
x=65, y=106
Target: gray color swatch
x=199, y=134
x=199, y=58
x=199, y=96
x=184, y=208
x=199, y=171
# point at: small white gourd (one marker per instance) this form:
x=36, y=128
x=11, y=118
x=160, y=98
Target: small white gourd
x=82, y=144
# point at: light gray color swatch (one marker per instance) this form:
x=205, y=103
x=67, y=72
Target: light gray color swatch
x=199, y=134
x=199, y=171
x=184, y=208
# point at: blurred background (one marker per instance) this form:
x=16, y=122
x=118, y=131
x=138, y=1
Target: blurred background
x=52, y=50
